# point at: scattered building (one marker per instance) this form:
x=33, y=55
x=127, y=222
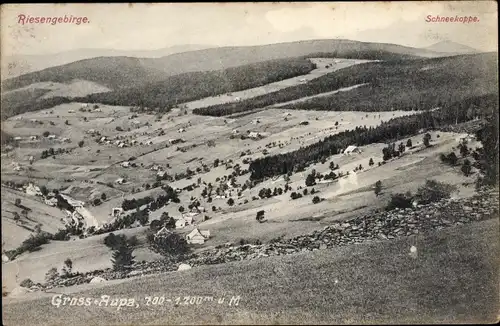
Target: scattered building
x=197, y=237
x=116, y=211
x=33, y=190
x=351, y=149
x=163, y=232
x=120, y=181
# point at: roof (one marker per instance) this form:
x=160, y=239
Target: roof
x=350, y=148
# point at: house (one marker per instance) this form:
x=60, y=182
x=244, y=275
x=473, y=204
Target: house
x=97, y=110
x=149, y=142
x=180, y=223
x=71, y=111
x=103, y=139
x=33, y=137
x=18, y=138
x=351, y=149
x=66, y=140
x=197, y=237
x=74, y=203
x=51, y=201
x=91, y=131
x=181, y=130
x=121, y=145
x=237, y=99
x=51, y=137
x=163, y=232
x=125, y=164
x=288, y=114
x=120, y=181
x=254, y=135
x=235, y=131
x=116, y=212
x=33, y=190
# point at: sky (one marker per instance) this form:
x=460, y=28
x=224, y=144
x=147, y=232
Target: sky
x=155, y=26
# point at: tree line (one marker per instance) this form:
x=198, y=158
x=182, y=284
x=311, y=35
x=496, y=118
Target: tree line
x=395, y=128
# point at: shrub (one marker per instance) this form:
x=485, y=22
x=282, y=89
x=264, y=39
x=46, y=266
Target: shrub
x=260, y=216
x=316, y=200
x=122, y=257
x=17, y=202
x=434, y=191
x=399, y=201
x=80, y=143
x=230, y=202
x=27, y=283
x=427, y=140
x=172, y=244
x=378, y=187
x=409, y=143
x=466, y=168
x=51, y=274
x=370, y=163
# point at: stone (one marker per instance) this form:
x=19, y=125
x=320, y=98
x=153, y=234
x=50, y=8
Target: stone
x=97, y=279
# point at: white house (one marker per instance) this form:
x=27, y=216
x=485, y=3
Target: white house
x=18, y=138
x=117, y=211
x=197, y=237
x=51, y=137
x=163, y=232
x=125, y=164
x=33, y=137
x=254, y=135
x=33, y=190
x=352, y=149
x=120, y=181
x=180, y=223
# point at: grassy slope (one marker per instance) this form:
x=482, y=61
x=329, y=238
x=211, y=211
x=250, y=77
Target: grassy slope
x=454, y=279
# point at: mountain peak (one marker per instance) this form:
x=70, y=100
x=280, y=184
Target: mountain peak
x=451, y=47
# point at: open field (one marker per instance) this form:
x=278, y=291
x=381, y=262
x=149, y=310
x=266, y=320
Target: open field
x=454, y=279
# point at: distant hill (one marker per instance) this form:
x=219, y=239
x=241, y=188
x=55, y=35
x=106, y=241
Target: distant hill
x=119, y=72
x=451, y=47
x=16, y=65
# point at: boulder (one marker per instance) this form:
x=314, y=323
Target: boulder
x=183, y=267
x=97, y=279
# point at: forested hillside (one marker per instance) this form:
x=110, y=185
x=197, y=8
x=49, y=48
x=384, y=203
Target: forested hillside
x=391, y=85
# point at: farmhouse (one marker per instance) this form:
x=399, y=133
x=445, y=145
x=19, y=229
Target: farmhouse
x=254, y=135
x=33, y=190
x=116, y=211
x=163, y=232
x=180, y=223
x=120, y=181
x=197, y=237
x=74, y=203
x=51, y=201
x=351, y=149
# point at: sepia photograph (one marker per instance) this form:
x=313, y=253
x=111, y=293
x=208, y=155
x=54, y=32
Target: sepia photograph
x=253, y=163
